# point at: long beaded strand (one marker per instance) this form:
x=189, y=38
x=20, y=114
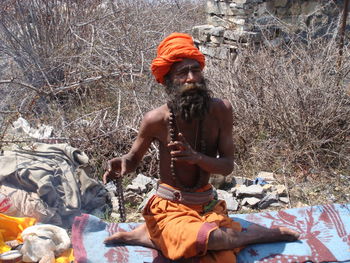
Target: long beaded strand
x=173, y=131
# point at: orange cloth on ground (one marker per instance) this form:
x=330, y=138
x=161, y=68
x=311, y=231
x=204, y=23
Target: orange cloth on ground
x=174, y=48
x=11, y=229
x=182, y=231
x=66, y=257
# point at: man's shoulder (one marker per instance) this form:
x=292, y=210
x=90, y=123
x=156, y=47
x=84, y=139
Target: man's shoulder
x=221, y=105
x=156, y=115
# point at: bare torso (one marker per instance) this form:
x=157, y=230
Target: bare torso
x=187, y=173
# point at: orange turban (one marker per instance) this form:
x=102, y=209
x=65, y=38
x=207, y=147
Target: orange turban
x=174, y=48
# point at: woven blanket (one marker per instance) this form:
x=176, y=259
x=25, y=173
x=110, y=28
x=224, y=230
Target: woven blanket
x=325, y=237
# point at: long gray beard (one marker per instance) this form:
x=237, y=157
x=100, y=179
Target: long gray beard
x=190, y=101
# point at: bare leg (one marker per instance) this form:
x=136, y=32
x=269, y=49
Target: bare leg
x=226, y=238
x=139, y=236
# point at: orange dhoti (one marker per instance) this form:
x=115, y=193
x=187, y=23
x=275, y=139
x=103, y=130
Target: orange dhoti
x=182, y=231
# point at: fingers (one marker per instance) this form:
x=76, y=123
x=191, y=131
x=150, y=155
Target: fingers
x=113, y=167
x=104, y=177
x=177, y=145
x=123, y=168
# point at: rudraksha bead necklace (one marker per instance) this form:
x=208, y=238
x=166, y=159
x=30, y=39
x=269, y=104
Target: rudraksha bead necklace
x=173, y=130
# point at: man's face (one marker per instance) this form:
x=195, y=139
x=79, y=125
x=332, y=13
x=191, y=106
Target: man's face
x=187, y=71
x=186, y=87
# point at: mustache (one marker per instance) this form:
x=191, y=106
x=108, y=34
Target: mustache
x=191, y=86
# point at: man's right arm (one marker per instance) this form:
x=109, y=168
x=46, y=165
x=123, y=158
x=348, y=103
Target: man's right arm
x=128, y=163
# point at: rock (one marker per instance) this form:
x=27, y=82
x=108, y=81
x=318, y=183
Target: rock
x=268, y=187
x=300, y=204
x=281, y=190
x=231, y=202
x=222, y=52
x=245, y=1
x=146, y=198
x=140, y=184
x=284, y=200
x=252, y=190
x=217, y=31
x=217, y=180
x=275, y=204
x=115, y=216
x=252, y=201
x=241, y=181
x=110, y=187
x=267, y=176
x=276, y=42
x=132, y=198
x=115, y=203
x=134, y=217
x=268, y=199
x=241, y=36
x=237, y=20
x=239, y=10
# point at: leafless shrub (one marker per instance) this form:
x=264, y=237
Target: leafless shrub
x=291, y=107
x=84, y=66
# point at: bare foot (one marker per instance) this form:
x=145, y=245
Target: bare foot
x=226, y=238
x=139, y=236
x=274, y=234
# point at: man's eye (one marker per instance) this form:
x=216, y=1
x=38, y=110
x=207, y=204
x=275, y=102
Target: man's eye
x=182, y=73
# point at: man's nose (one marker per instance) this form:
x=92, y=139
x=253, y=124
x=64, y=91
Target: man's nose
x=190, y=77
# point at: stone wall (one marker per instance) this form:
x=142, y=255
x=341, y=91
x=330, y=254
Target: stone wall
x=233, y=23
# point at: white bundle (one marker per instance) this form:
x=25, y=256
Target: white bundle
x=43, y=242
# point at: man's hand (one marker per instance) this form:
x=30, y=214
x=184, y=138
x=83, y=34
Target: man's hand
x=182, y=151
x=115, y=167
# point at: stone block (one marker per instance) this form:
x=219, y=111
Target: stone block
x=242, y=36
x=237, y=20
x=216, y=40
x=202, y=33
x=132, y=198
x=239, y=10
x=284, y=199
x=268, y=200
x=231, y=202
x=226, y=52
x=246, y=1
x=281, y=190
x=115, y=203
x=252, y=201
x=115, y=216
x=267, y=176
x=217, y=31
x=268, y=187
x=252, y=190
x=217, y=180
x=215, y=20
x=213, y=7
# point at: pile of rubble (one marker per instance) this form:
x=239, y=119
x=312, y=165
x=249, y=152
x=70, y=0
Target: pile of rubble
x=235, y=23
x=240, y=193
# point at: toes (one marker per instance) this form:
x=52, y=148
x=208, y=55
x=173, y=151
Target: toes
x=111, y=239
